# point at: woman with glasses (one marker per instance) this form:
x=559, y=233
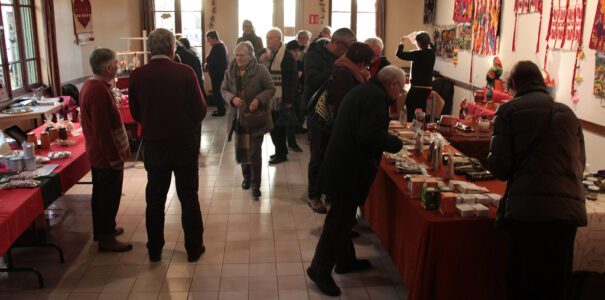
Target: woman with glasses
x=248, y=87
x=423, y=61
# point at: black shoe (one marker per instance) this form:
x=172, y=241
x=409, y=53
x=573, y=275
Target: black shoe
x=246, y=184
x=276, y=160
x=325, y=283
x=354, y=234
x=193, y=257
x=296, y=148
x=300, y=130
x=355, y=266
x=155, y=256
x=218, y=113
x=256, y=192
x=271, y=156
x=118, y=231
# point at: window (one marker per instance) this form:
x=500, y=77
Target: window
x=184, y=17
x=260, y=13
x=289, y=20
x=359, y=15
x=20, y=72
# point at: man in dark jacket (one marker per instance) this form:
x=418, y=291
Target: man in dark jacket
x=187, y=55
x=319, y=62
x=359, y=137
x=216, y=64
x=282, y=66
x=538, y=147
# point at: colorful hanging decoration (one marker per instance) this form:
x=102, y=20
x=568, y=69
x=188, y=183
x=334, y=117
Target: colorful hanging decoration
x=494, y=72
x=465, y=36
x=599, y=75
x=528, y=6
x=566, y=23
x=597, y=37
x=445, y=41
x=429, y=12
x=213, y=14
x=455, y=58
x=463, y=11
x=486, y=27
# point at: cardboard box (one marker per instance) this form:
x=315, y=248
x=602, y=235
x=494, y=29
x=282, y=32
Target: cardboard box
x=430, y=198
x=468, y=198
x=465, y=210
x=415, y=187
x=447, y=204
x=481, y=210
x=482, y=199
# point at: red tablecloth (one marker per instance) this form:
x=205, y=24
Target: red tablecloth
x=73, y=168
x=18, y=208
x=438, y=257
x=497, y=96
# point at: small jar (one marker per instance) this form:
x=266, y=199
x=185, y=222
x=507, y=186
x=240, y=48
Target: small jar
x=54, y=134
x=31, y=138
x=62, y=132
x=17, y=164
x=483, y=124
x=592, y=192
x=45, y=140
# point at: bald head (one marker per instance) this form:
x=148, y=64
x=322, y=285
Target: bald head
x=274, y=37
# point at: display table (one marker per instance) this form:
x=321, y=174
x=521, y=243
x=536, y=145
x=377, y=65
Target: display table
x=35, y=113
x=589, y=249
x=438, y=257
x=497, y=96
x=474, y=144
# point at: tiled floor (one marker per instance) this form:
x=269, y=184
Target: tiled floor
x=254, y=250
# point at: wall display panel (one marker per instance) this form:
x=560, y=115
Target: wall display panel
x=445, y=41
x=566, y=22
x=597, y=37
x=463, y=11
x=486, y=21
x=464, y=34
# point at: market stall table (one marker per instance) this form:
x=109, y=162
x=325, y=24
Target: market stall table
x=474, y=144
x=36, y=112
x=479, y=110
x=438, y=257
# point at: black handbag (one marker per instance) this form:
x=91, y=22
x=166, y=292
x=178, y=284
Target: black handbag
x=287, y=117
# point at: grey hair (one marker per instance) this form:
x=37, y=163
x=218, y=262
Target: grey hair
x=390, y=73
x=344, y=35
x=275, y=29
x=246, y=45
x=304, y=33
x=161, y=42
x=99, y=58
x=249, y=22
x=325, y=29
x=375, y=41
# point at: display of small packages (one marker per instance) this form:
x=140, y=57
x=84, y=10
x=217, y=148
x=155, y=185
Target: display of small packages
x=447, y=203
x=430, y=198
x=416, y=184
x=472, y=210
x=58, y=154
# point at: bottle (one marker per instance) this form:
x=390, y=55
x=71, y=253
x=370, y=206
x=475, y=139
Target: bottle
x=449, y=174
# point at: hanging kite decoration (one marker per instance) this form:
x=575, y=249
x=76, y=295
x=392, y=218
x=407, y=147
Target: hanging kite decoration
x=525, y=7
x=565, y=32
x=597, y=37
x=463, y=11
x=486, y=27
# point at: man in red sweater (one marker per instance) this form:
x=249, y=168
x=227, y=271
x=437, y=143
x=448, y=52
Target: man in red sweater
x=165, y=97
x=106, y=147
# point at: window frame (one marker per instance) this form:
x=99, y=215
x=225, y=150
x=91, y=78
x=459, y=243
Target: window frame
x=353, y=11
x=178, y=25
x=23, y=60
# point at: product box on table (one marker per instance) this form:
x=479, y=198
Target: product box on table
x=465, y=210
x=415, y=187
x=481, y=210
x=447, y=204
x=482, y=199
x=467, y=198
x=430, y=198
x=494, y=199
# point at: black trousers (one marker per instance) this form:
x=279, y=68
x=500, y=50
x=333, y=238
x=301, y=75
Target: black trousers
x=278, y=136
x=318, y=144
x=335, y=245
x=217, y=96
x=253, y=171
x=416, y=98
x=540, y=260
x=291, y=133
x=161, y=160
x=105, y=201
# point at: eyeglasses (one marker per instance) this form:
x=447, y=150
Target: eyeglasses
x=402, y=90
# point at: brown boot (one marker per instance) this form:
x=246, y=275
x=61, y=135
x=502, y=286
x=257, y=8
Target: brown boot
x=110, y=244
x=317, y=206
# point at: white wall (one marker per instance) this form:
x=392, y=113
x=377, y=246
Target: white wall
x=70, y=55
x=560, y=65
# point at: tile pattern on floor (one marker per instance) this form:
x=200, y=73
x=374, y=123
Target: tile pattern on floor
x=254, y=249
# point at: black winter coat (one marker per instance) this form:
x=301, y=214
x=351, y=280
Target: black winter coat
x=319, y=62
x=544, y=174
x=189, y=58
x=217, y=61
x=359, y=137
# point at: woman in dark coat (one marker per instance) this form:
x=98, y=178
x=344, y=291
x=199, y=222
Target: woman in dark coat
x=538, y=147
x=248, y=87
x=423, y=61
x=350, y=70
x=250, y=35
